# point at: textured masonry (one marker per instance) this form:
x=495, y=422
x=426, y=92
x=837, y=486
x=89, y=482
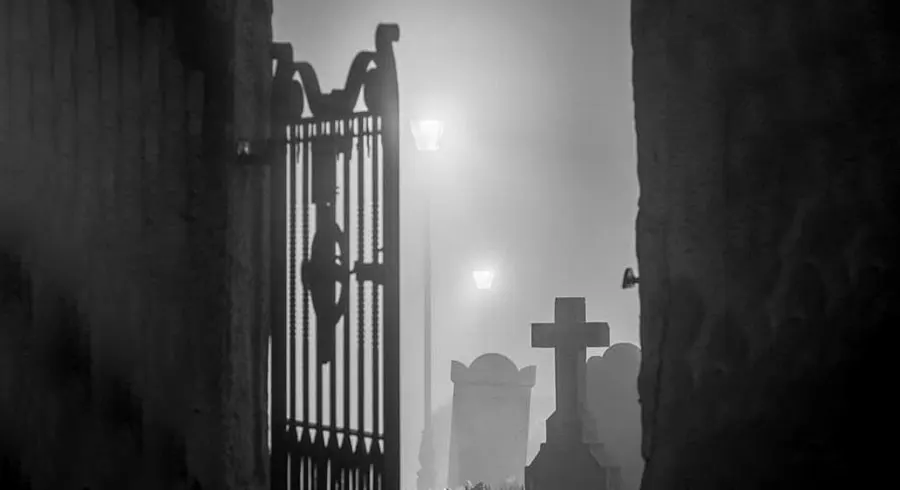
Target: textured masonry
x=767, y=146
x=143, y=238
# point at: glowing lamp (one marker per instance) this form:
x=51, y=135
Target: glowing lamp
x=484, y=279
x=427, y=134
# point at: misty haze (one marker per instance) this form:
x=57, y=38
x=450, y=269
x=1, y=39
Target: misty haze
x=421, y=245
x=534, y=181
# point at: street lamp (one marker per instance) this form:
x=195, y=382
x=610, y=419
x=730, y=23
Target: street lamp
x=484, y=279
x=427, y=133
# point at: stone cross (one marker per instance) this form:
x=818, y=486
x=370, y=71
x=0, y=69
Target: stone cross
x=570, y=336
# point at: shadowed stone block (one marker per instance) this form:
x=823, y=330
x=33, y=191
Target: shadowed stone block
x=767, y=160
x=137, y=359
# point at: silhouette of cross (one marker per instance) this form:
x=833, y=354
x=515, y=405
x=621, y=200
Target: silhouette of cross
x=570, y=336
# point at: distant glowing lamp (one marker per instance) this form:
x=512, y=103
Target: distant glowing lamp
x=484, y=279
x=427, y=133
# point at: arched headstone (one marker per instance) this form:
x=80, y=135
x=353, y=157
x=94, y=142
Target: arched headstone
x=612, y=399
x=489, y=429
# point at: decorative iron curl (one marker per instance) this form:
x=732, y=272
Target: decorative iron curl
x=339, y=103
x=319, y=274
x=362, y=78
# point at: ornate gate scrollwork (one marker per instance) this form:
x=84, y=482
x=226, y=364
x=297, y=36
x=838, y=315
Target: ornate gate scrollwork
x=320, y=273
x=335, y=299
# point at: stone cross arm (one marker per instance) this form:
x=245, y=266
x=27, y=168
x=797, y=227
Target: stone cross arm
x=578, y=335
x=570, y=330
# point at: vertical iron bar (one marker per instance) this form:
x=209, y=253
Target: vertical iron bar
x=322, y=463
x=359, y=124
x=304, y=197
x=307, y=473
x=290, y=372
x=361, y=315
x=281, y=99
x=292, y=272
x=332, y=369
x=348, y=262
x=296, y=466
x=320, y=132
x=376, y=288
x=390, y=134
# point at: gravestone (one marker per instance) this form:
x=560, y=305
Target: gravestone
x=612, y=399
x=571, y=459
x=489, y=428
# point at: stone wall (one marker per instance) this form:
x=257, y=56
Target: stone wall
x=767, y=146
x=133, y=313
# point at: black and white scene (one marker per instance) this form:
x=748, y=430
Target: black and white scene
x=431, y=245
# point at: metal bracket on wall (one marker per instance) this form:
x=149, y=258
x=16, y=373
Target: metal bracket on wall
x=252, y=153
x=629, y=280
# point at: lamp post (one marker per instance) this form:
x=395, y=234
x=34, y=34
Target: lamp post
x=427, y=134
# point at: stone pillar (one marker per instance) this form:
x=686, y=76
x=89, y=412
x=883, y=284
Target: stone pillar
x=767, y=153
x=248, y=247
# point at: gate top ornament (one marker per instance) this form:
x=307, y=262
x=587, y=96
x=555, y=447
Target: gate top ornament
x=339, y=103
x=378, y=84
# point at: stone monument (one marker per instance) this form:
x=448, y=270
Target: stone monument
x=489, y=428
x=612, y=398
x=567, y=461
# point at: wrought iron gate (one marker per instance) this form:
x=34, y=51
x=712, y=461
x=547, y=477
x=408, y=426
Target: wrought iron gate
x=335, y=295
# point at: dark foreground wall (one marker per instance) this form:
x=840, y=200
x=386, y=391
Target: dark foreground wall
x=132, y=284
x=768, y=146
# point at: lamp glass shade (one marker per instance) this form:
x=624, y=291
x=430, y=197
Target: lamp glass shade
x=427, y=133
x=484, y=279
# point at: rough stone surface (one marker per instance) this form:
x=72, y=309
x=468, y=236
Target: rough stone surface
x=135, y=359
x=767, y=154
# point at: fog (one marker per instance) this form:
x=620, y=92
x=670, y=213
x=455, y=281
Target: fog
x=536, y=177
